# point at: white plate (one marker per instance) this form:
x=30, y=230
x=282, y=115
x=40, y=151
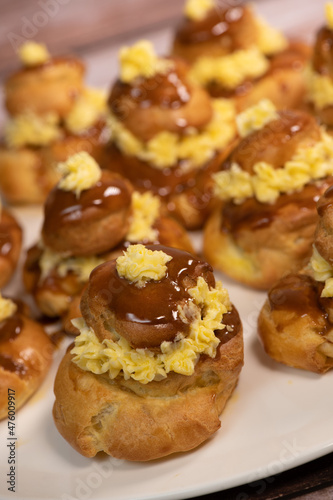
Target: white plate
x=277, y=418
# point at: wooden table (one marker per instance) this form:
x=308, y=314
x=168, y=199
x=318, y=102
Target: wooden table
x=95, y=31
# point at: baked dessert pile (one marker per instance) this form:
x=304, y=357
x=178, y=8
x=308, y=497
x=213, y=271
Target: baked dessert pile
x=296, y=321
x=230, y=134
x=52, y=114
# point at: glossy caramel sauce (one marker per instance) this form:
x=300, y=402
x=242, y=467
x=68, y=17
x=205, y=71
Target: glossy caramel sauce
x=322, y=60
x=10, y=364
x=232, y=27
x=63, y=208
x=167, y=91
x=251, y=215
x=8, y=225
x=10, y=328
x=155, y=304
x=276, y=142
x=300, y=294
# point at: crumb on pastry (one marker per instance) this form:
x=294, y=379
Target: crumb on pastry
x=329, y=15
x=197, y=9
x=255, y=117
x=139, y=265
x=7, y=308
x=141, y=60
x=269, y=39
x=268, y=183
x=32, y=53
x=80, y=171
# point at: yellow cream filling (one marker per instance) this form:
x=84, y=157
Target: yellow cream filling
x=197, y=9
x=139, y=265
x=256, y=117
x=7, y=308
x=146, y=209
x=140, y=60
x=80, y=266
x=90, y=106
x=319, y=88
x=329, y=15
x=30, y=129
x=80, y=171
x=268, y=183
x=32, y=53
x=269, y=39
x=322, y=271
x=230, y=70
x=143, y=365
x=165, y=149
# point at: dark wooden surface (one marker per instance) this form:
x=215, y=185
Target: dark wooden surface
x=94, y=30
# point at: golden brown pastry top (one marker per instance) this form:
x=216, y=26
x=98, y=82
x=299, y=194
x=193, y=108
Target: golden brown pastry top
x=144, y=316
x=164, y=102
x=277, y=141
x=234, y=28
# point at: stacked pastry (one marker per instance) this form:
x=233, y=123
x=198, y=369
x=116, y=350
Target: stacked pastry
x=268, y=188
x=159, y=353
x=90, y=216
x=235, y=54
x=52, y=115
x=26, y=354
x=10, y=245
x=168, y=135
x=296, y=321
x=319, y=73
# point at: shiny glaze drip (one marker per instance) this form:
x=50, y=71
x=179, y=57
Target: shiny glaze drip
x=251, y=215
x=168, y=91
x=10, y=365
x=300, y=294
x=322, y=60
x=62, y=208
x=232, y=320
x=325, y=202
x=6, y=241
x=219, y=23
x=10, y=328
x=48, y=65
x=157, y=302
x=276, y=142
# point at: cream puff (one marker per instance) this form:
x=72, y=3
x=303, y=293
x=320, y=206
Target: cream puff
x=52, y=115
x=236, y=54
x=168, y=135
x=268, y=187
x=10, y=245
x=319, y=72
x=159, y=353
x=90, y=216
x=295, y=324
x=26, y=354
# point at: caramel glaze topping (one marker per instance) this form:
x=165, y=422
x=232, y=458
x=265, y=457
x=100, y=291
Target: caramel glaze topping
x=11, y=365
x=300, y=294
x=6, y=240
x=63, y=208
x=325, y=202
x=10, y=328
x=167, y=91
x=276, y=142
x=322, y=60
x=251, y=215
x=149, y=315
x=233, y=27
